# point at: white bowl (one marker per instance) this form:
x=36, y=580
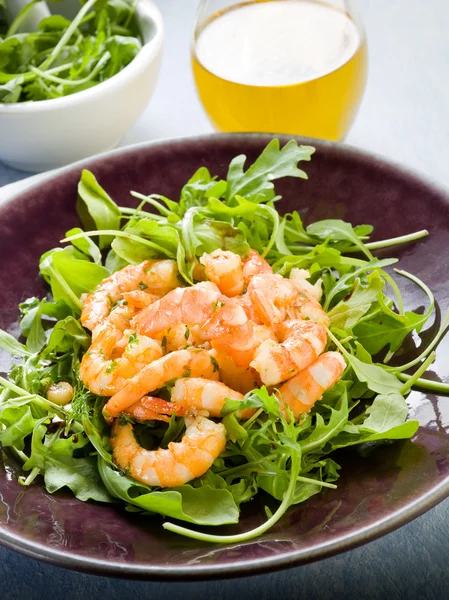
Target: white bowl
x=37, y=136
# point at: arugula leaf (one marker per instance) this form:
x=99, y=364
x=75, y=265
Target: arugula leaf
x=273, y=163
x=86, y=245
x=197, y=190
x=156, y=241
x=12, y=346
x=323, y=432
x=18, y=423
x=375, y=376
x=386, y=412
x=36, y=337
x=203, y=505
x=347, y=313
x=383, y=330
x=337, y=230
x=64, y=334
x=400, y=432
x=96, y=208
x=60, y=468
x=69, y=276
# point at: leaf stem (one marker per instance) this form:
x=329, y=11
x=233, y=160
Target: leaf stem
x=31, y=477
x=243, y=537
x=429, y=348
x=411, y=379
x=67, y=35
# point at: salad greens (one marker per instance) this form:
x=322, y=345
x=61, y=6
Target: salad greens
x=63, y=57
x=291, y=461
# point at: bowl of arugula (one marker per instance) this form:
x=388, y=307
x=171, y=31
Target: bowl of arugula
x=73, y=80
x=368, y=457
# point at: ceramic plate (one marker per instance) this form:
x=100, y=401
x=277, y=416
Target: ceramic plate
x=374, y=496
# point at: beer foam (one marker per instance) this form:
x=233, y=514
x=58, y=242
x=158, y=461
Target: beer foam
x=277, y=43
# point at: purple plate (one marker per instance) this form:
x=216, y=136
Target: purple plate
x=375, y=495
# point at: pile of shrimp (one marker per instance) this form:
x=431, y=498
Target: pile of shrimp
x=240, y=327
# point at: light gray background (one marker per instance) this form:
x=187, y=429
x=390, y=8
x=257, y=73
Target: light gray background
x=404, y=116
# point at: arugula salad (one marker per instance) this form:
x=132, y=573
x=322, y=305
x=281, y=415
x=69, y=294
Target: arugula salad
x=269, y=447
x=63, y=57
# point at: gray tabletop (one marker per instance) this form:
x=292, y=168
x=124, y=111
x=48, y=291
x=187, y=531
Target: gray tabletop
x=403, y=117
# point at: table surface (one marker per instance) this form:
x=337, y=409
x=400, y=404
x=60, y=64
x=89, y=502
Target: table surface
x=403, y=117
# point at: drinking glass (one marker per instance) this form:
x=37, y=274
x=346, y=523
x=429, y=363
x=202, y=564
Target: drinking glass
x=280, y=66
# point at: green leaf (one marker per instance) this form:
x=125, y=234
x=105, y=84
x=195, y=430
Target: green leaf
x=337, y=230
x=96, y=208
x=202, y=505
x=210, y=235
x=86, y=245
x=61, y=468
x=12, y=346
x=69, y=276
x=157, y=241
x=386, y=412
x=400, y=432
x=65, y=334
x=323, y=432
x=347, y=313
x=272, y=164
x=18, y=423
x=375, y=376
x=36, y=337
x=196, y=191
x=383, y=330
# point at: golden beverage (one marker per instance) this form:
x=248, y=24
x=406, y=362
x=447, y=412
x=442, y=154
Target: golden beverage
x=281, y=66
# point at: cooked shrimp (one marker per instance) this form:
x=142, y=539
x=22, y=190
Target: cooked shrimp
x=158, y=277
x=245, y=302
x=271, y=295
x=221, y=318
x=104, y=372
x=203, y=394
x=301, y=392
x=240, y=378
x=254, y=265
x=224, y=268
x=301, y=342
x=150, y=408
x=300, y=276
x=190, y=395
x=176, y=338
x=181, y=462
x=191, y=362
x=139, y=298
x=274, y=298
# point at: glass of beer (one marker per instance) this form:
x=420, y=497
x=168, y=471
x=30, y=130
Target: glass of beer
x=280, y=66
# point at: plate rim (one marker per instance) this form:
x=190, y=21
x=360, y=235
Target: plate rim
x=240, y=568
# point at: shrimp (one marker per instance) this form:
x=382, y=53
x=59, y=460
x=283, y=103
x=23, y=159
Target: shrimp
x=271, y=295
x=224, y=268
x=301, y=342
x=194, y=362
x=300, y=277
x=104, y=372
x=175, y=338
x=301, y=392
x=190, y=395
x=202, y=443
x=157, y=277
x=150, y=408
x=240, y=378
x=254, y=265
x=245, y=302
x=202, y=394
x=139, y=298
x=274, y=298
x=221, y=318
